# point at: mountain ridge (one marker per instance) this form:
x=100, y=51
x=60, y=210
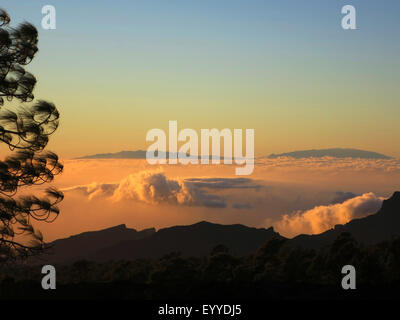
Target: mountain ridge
x=120, y=242
x=140, y=154
x=198, y=239
x=316, y=153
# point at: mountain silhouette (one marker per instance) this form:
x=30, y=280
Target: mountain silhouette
x=141, y=154
x=193, y=240
x=335, y=153
x=121, y=242
x=138, y=154
x=314, y=153
x=381, y=226
x=85, y=244
x=198, y=240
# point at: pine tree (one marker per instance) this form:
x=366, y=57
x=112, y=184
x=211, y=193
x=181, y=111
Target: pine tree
x=25, y=131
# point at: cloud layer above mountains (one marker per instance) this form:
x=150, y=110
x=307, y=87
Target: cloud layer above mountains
x=294, y=195
x=155, y=188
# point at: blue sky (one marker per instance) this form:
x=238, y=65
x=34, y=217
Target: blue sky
x=285, y=68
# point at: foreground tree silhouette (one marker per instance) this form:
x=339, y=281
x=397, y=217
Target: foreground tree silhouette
x=25, y=131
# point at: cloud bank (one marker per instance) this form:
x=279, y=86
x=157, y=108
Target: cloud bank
x=322, y=218
x=188, y=194
x=155, y=188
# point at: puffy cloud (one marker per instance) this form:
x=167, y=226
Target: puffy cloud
x=154, y=188
x=322, y=218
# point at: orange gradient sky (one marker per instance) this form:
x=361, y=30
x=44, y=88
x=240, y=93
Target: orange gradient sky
x=284, y=68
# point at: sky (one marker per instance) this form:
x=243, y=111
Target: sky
x=284, y=68
x=287, y=69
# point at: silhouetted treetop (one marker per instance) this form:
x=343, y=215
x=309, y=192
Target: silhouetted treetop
x=25, y=130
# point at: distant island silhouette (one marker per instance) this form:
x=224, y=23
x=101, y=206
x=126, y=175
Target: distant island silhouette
x=136, y=154
x=334, y=152
x=314, y=153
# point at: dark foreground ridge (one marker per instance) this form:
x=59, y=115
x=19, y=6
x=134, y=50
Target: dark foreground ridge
x=199, y=239
x=121, y=242
x=277, y=270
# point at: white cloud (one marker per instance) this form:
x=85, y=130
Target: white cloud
x=322, y=218
x=154, y=187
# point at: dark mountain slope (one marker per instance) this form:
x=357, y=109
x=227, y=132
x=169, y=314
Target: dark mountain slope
x=383, y=225
x=199, y=239
x=194, y=240
x=122, y=243
x=83, y=245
